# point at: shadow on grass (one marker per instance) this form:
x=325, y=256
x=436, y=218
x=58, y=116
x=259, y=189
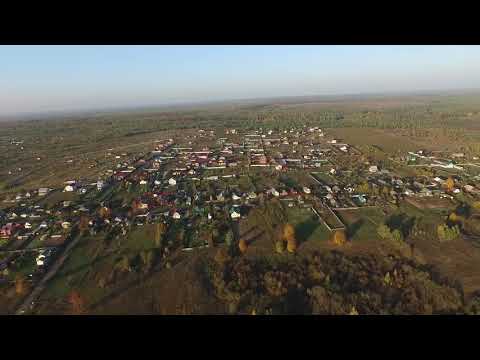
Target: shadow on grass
x=122, y=289
x=254, y=238
x=353, y=229
x=84, y=266
x=305, y=229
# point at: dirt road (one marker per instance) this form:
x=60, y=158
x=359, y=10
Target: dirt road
x=38, y=289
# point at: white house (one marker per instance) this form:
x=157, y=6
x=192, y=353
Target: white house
x=274, y=192
x=373, y=169
x=172, y=181
x=68, y=188
x=306, y=190
x=40, y=260
x=176, y=215
x=235, y=197
x=235, y=215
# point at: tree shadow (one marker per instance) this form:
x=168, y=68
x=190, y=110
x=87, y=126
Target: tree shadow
x=254, y=238
x=305, y=229
x=401, y=222
x=353, y=229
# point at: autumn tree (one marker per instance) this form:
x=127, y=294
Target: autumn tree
x=221, y=256
x=77, y=302
x=83, y=223
x=136, y=206
x=363, y=188
x=242, y=245
x=104, y=212
x=279, y=246
x=159, y=230
x=476, y=205
x=450, y=184
x=292, y=245
x=288, y=232
x=339, y=237
x=20, y=285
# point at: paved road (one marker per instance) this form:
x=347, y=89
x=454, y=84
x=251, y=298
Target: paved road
x=38, y=289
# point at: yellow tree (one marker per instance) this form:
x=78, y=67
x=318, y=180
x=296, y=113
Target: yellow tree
x=104, y=212
x=20, y=285
x=450, y=184
x=159, y=230
x=339, y=237
x=242, y=245
x=292, y=245
x=288, y=232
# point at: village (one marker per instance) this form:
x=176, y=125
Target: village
x=210, y=179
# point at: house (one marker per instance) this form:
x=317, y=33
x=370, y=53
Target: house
x=235, y=215
x=66, y=224
x=172, y=181
x=176, y=215
x=43, y=191
x=68, y=188
x=40, y=260
x=306, y=190
x=274, y=192
x=373, y=169
x=235, y=197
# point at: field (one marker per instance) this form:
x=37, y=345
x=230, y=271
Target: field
x=121, y=273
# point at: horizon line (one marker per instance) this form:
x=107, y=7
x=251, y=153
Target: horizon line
x=41, y=115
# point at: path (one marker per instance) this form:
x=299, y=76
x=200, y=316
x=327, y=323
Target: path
x=52, y=271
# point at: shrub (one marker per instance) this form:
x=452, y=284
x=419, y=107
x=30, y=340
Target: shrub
x=447, y=233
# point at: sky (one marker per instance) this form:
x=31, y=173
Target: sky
x=36, y=79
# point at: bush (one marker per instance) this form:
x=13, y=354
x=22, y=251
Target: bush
x=447, y=233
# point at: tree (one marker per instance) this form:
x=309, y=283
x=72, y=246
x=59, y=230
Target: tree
x=363, y=188
x=83, y=223
x=384, y=231
x=339, y=237
x=148, y=258
x=288, y=232
x=104, y=212
x=77, y=302
x=279, y=246
x=292, y=245
x=159, y=231
x=20, y=285
x=476, y=205
x=450, y=184
x=446, y=233
x=397, y=235
x=242, y=245
x=221, y=256
x=229, y=237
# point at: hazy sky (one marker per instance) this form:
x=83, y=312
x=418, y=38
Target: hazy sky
x=43, y=78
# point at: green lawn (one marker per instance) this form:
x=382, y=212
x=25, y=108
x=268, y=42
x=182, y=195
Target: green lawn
x=307, y=226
